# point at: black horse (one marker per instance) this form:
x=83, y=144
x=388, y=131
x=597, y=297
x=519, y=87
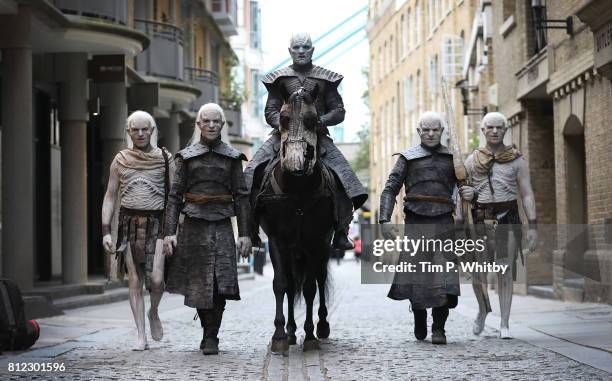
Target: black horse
x=292, y=201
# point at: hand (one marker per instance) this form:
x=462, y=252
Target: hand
x=169, y=245
x=107, y=243
x=244, y=246
x=532, y=238
x=467, y=192
x=389, y=231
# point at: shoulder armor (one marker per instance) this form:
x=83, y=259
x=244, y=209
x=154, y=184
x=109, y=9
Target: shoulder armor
x=192, y=151
x=270, y=78
x=226, y=150
x=417, y=152
x=326, y=75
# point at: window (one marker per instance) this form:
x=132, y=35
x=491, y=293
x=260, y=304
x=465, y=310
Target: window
x=254, y=25
x=430, y=15
x=404, y=31
x=433, y=81
x=391, y=59
x=420, y=92
x=408, y=94
x=385, y=68
x=419, y=26
x=381, y=63
x=452, y=56
x=508, y=8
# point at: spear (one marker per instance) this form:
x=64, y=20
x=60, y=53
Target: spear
x=458, y=164
x=478, y=279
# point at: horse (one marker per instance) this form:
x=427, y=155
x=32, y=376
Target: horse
x=293, y=204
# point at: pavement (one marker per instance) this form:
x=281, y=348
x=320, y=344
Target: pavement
x=371, y=339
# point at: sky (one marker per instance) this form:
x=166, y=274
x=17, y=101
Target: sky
x=281, y=18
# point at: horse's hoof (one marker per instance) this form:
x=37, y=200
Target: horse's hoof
x=291, y=339
x=280, y=346
x=322, y=330
x=311, y=345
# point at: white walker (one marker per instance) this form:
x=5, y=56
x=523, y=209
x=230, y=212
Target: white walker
x=499, y=176
x=139, y=176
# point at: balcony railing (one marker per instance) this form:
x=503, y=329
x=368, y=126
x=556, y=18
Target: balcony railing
x=225, y=13
x=164, y=57
x=114, y=11
x=207, y=82
x=233, y=116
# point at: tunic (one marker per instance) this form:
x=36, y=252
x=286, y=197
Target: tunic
x=142, y=189
x=208, y=188
x=424, y=172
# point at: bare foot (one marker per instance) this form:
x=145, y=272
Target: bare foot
x=504, y=333
x=157, y=331
x=141, y=346
x=479, y=323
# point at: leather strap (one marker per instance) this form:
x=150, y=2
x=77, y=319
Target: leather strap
x=441, y=200
x=205, y=199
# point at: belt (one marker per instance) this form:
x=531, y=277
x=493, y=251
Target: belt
x=442, y=200
x=503, y=205
x=140, y=212
x=205, y=199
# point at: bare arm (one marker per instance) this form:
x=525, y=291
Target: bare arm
x=526, y=191
x=110, y=198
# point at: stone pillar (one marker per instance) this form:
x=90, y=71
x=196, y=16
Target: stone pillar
x=113, y=115
x=169, y=129
x=17, y=149
x=73, y=116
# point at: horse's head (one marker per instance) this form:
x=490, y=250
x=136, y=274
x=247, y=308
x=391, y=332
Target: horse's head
x=298, y=124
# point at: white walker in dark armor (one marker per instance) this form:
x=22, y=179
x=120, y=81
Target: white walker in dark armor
x=499, y=175
x=282, y=85
x=140, y=176
x=208, y=188
x=427, y=173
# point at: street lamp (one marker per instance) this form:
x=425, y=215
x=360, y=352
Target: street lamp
x=463, y=86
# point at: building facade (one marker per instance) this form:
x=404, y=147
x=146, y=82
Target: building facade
x=554, y=86
x=71, y=73
x=413, y=44
x=248, y=72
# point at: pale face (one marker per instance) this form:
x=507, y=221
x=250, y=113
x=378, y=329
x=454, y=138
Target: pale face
x=210, y=124
x=301, y=50
x=494, y=133
x=140, y=132
x=430, y=134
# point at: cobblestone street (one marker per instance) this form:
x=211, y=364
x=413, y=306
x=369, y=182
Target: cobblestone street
x=371, y=339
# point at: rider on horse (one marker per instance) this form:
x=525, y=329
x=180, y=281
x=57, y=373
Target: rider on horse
x=294, y=79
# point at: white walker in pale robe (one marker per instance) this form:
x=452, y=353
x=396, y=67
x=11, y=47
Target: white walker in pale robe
x=139, y=176
x=499, y=175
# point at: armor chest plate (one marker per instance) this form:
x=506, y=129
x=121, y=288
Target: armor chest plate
x=208, y=172
x=430, y=174
x=289, y=85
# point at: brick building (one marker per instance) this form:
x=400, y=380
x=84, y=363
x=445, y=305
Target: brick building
x=413, y=43
x=554, y=87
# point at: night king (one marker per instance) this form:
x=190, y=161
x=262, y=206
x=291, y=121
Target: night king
x=487, y=267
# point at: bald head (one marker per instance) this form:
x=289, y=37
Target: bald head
x=494, y=126
x=430, y=128
x=301, y=49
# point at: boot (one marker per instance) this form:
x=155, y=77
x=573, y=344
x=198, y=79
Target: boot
x=420, y=324
x=341, y=241
x=438, y=334
x=213, y=323
x=201, y=313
